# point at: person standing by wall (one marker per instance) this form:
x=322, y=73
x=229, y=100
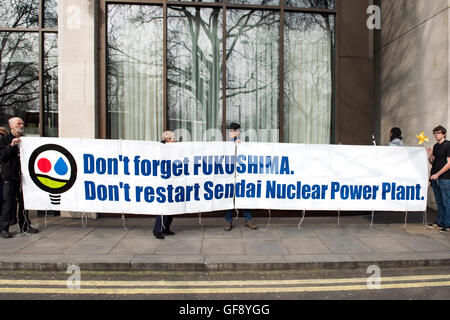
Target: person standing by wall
x=395, y=138
x=439, y=157
x=12, y=188
x=234, y=136
x=162, y=226
x=3, y=132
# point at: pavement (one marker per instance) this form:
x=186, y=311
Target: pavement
x=202, y=244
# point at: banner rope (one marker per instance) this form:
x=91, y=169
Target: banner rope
x=123, y=222
x=406, y=218
x=268, y=222
x=162, y=222
x=83, y=218
x=371, y=221
x=25, y=223
x=425, y=219
x=45, y=220
x=200, y=218
x=301, y=221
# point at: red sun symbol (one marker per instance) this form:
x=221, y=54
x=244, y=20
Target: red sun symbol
x=44, y=165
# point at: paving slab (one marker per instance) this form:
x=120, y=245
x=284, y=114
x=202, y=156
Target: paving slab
x=383, y=244
x=222, y=247
x=173, y=246
x=136, y=246
x=91, y=247
x=346, y=246
x=306, y=246
x=265, y=247
x=422, y=243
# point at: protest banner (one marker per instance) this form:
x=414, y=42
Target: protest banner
x=141, y=177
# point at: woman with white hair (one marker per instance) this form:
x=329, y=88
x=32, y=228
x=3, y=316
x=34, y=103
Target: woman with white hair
x=161, y=229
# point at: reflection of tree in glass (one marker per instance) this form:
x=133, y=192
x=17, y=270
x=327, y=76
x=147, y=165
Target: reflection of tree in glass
x=325, y=4
x=51, y=13
x=19, y=13
x=194, y=62
x=19, y=74
x=309, y=61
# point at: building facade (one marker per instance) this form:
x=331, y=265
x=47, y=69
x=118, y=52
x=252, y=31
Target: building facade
x=290, y=71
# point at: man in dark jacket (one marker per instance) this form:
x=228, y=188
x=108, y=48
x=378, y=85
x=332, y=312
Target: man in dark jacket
x=12, y=189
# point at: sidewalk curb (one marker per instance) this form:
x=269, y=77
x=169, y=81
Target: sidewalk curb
x=202, y=267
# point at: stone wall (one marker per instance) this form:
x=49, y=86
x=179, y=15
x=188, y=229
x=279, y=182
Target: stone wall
x=412, y=69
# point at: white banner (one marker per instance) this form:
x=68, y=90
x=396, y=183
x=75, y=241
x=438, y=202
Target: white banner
x=139, y=177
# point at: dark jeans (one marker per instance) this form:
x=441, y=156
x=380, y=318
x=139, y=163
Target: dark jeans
x=246, y=213
x=11, y=194
x=441, y=190
x=167, y=221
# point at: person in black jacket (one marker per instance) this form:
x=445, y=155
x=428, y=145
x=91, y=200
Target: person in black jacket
x=12, y=189
x=162, y=226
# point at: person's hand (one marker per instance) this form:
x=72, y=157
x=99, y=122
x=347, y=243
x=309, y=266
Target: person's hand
x=430, y=151
x=434, y=177
x=15, y=142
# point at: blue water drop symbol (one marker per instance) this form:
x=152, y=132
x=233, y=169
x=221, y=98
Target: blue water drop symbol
x=61, y=167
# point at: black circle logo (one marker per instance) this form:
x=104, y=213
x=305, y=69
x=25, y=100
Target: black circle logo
x=52, y=168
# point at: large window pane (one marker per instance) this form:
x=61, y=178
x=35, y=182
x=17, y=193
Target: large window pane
x=308, y=78
x=50, y=89
x=135, y=72
x=19, y=13
x=50, y=13
x=252, y=73
x=209, y=1
x=259, y=2
x=322, y=4
x=194, y=65
x=19, y=79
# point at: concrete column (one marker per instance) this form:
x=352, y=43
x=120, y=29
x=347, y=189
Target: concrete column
x=76, y=72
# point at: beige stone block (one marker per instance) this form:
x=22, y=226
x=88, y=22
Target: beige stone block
x=401, y=16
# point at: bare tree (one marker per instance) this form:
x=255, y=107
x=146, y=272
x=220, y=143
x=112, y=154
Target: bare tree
x=19, y=68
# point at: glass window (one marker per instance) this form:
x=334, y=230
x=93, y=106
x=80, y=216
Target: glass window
x=135, y=72
x=50, y=14
x=19, y=79
x=258, y=2
x=204, y=96
x=322, y=4
x=252, y=73
x=23, y=93
x=308, y=78
x=51, y=84
x=19, y=13
x=194, y=69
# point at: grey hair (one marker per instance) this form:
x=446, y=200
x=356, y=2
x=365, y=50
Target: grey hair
x=167, y=135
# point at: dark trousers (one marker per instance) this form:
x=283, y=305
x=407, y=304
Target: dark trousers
x=12, y=193
x=167, y=221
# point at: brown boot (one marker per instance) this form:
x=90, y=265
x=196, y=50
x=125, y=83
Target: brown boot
x=228, y=226
x=250, y=225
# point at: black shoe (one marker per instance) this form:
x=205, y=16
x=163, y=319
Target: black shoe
x=32, y=230
x=28, y=230
x=169, y=233
x=5, y=234
x=158, y=235
x=445, y=229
